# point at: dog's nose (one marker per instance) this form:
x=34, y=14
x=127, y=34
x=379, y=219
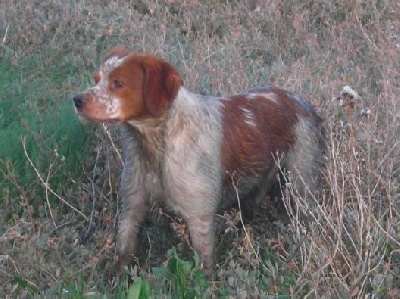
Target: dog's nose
x=79, y=100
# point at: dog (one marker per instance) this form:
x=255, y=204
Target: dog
x=198, y=154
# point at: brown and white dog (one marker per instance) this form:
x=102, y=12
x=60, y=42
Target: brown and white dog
x=196, y=154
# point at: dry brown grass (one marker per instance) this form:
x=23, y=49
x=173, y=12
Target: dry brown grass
x=343, y=243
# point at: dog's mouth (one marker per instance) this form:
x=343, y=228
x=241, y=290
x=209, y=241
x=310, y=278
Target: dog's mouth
x=113, y=121
x=85, y=119
x=90, y=108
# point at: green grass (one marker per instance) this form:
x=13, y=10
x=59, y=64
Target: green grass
x=36, y=110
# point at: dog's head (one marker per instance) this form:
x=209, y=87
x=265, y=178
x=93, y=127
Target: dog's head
x=129, y=86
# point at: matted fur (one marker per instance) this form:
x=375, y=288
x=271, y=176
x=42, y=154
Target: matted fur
x=197, y=154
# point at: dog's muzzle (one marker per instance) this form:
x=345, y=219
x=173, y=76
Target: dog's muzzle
x=79, y=100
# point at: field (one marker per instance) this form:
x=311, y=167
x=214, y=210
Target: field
x=59, y=178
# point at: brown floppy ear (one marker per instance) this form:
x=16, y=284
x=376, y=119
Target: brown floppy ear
x=161, y=85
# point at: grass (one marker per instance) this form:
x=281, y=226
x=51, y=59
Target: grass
x=36, y=114
x=342, y=243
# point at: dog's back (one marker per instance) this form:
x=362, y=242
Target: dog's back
x=269, y=131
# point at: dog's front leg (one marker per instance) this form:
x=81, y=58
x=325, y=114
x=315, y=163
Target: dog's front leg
x=134, y=210
x=130, y=220
x=202, y=231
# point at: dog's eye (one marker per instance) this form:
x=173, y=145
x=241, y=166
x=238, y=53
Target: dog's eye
x=118, y=84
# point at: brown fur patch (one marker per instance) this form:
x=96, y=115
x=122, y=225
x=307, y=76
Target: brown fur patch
x=161, y=85
x=249, y=145
x=150, y=86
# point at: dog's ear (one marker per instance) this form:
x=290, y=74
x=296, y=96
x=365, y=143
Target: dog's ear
x=161, y=84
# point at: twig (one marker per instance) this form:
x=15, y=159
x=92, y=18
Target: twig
x=5, y=34
x=366, y=35
x=89, y=226
x=112, y=143
x=59, y=226
x=242, y=222
x=47, y=186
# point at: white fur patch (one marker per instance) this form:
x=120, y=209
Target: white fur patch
x=248, y=116
x=112, y=62
x=114, y=108
x=270, y=96
x=112, y=105
x=267, y=95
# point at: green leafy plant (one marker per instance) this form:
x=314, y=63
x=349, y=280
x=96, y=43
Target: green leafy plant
x=140, y=289
x=74, y=289
x=26, y=285
x=187, y=279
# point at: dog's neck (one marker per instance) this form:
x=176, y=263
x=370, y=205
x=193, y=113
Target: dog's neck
x=149, y=135
x=151, y=130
